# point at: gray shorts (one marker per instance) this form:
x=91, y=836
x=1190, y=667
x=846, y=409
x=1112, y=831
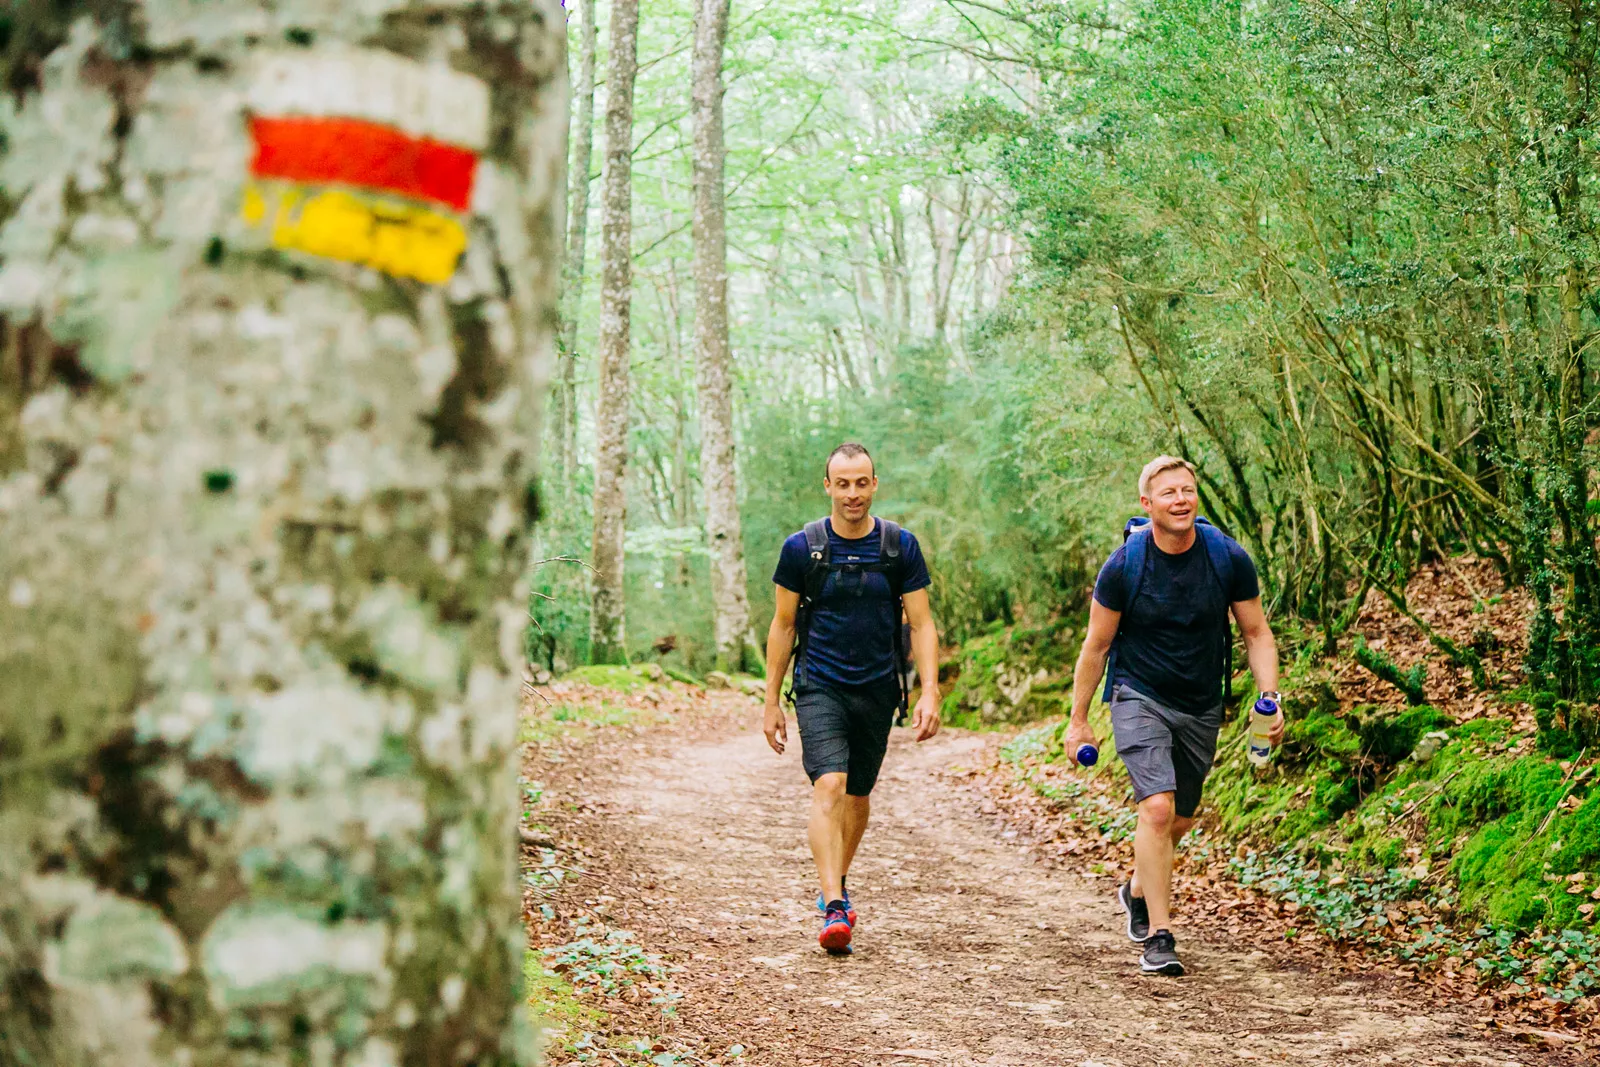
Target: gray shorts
x=1165, y=751
x=846, y=729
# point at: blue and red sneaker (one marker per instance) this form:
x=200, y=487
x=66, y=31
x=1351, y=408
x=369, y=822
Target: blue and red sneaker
x=836, y=929
x=849, y=909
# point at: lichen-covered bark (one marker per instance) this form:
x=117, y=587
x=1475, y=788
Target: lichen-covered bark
x=262, y=517
x=718, y=469
x=607, y=631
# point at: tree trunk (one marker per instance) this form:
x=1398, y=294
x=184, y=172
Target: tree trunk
x=565, y=413
x=262, y=516
x=713, y=378
x=607, y=625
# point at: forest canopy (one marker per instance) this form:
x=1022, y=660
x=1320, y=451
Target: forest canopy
x=1336, y=253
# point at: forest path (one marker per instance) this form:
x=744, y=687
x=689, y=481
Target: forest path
x=967, y=953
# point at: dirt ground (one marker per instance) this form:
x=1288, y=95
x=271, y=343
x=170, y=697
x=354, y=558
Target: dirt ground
x=968, y=950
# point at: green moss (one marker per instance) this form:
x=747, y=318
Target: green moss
x=544, y=723
x=1389, y=738
x=612, y=676
x=552, y=1003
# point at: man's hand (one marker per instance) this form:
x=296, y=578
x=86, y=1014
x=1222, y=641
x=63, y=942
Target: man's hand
x=1275, y=735
x=775, y=726
x=925, y=720
x=1079, y=733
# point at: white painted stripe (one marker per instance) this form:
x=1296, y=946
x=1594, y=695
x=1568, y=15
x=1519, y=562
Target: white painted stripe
x=425, y=100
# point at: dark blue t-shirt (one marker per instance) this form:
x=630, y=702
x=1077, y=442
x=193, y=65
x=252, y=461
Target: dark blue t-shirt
x=1169, y=646
x=853, y=624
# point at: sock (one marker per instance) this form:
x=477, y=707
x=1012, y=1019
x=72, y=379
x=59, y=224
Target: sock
x=832, y=904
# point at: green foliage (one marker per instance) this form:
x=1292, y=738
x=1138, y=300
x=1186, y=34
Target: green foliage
x=558, y=615
x=1292, y=247
x=611, y=963
x=1409, y=682
x=551, y=999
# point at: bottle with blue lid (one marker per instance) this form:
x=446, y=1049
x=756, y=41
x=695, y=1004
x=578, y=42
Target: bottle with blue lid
x=1261, y=716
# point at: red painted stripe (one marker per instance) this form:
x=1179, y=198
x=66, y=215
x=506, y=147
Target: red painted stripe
x=364, y=154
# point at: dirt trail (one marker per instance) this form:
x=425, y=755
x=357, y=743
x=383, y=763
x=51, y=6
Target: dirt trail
x=968, y=952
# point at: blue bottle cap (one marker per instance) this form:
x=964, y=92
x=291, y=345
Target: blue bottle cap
x=1088, y=755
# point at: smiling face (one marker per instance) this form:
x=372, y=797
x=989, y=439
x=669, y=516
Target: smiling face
x=851, y=483
x=1172, y=499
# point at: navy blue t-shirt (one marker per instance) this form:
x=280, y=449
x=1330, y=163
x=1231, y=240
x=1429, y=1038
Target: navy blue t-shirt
x=1169, y=646
x=853, y=624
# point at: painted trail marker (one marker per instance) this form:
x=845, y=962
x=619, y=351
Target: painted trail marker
x=366, y=157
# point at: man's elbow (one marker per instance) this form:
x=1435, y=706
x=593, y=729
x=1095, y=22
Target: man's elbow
x=1094, y=648
x=1259, y=635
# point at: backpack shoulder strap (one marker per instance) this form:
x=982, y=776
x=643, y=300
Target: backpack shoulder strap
x=817, y=550
x=889, y=552
x=1135, y=549
x=1219, y=551
x=817, y=554
x=894, y=570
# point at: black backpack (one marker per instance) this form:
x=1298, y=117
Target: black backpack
x=891, y=564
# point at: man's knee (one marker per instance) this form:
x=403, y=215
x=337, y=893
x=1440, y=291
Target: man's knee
x=827, y=792
x=1158, y=813
x=1181, y=824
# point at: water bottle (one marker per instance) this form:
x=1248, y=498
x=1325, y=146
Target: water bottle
x=1088, y=755
x=1261, y=717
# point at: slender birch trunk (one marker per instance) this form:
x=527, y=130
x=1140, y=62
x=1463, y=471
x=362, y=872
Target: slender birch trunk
x=565, y=413
x=262, y=515
x=719, y=470
x=607, y=621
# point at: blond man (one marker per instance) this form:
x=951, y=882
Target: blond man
x=1160, y=615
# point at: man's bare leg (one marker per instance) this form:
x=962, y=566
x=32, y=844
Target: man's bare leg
x=827, y=833
x=856, y=811
x=1180, y=826
x=1153, y=842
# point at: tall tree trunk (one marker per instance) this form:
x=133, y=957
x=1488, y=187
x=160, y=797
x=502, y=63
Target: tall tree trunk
x=261, y=520
x=565, y=413
x=607, y=622
x=713, y=378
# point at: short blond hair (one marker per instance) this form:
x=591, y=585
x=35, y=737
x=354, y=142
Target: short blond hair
x=1160, y=465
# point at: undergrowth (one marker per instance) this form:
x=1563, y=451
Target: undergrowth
x=1436, y=842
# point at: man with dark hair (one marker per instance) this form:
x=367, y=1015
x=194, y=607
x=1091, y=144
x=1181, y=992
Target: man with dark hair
x=842, y=584
x=1161, y=603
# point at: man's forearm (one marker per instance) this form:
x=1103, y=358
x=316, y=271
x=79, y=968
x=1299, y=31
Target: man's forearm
x=780, y=642
x=925, y=651
x=1091, y=668
x=1262, y=652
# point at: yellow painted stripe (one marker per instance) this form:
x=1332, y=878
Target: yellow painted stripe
x=404, y=240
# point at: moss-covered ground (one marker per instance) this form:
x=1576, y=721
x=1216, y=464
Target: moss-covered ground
x=552, y=1002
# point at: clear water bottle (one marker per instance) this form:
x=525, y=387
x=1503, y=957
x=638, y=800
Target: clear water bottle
x=1261, y=717
x=1088, y=755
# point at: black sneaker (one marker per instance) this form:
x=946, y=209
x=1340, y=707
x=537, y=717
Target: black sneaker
x=1161, y=955
x=1138, y=913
